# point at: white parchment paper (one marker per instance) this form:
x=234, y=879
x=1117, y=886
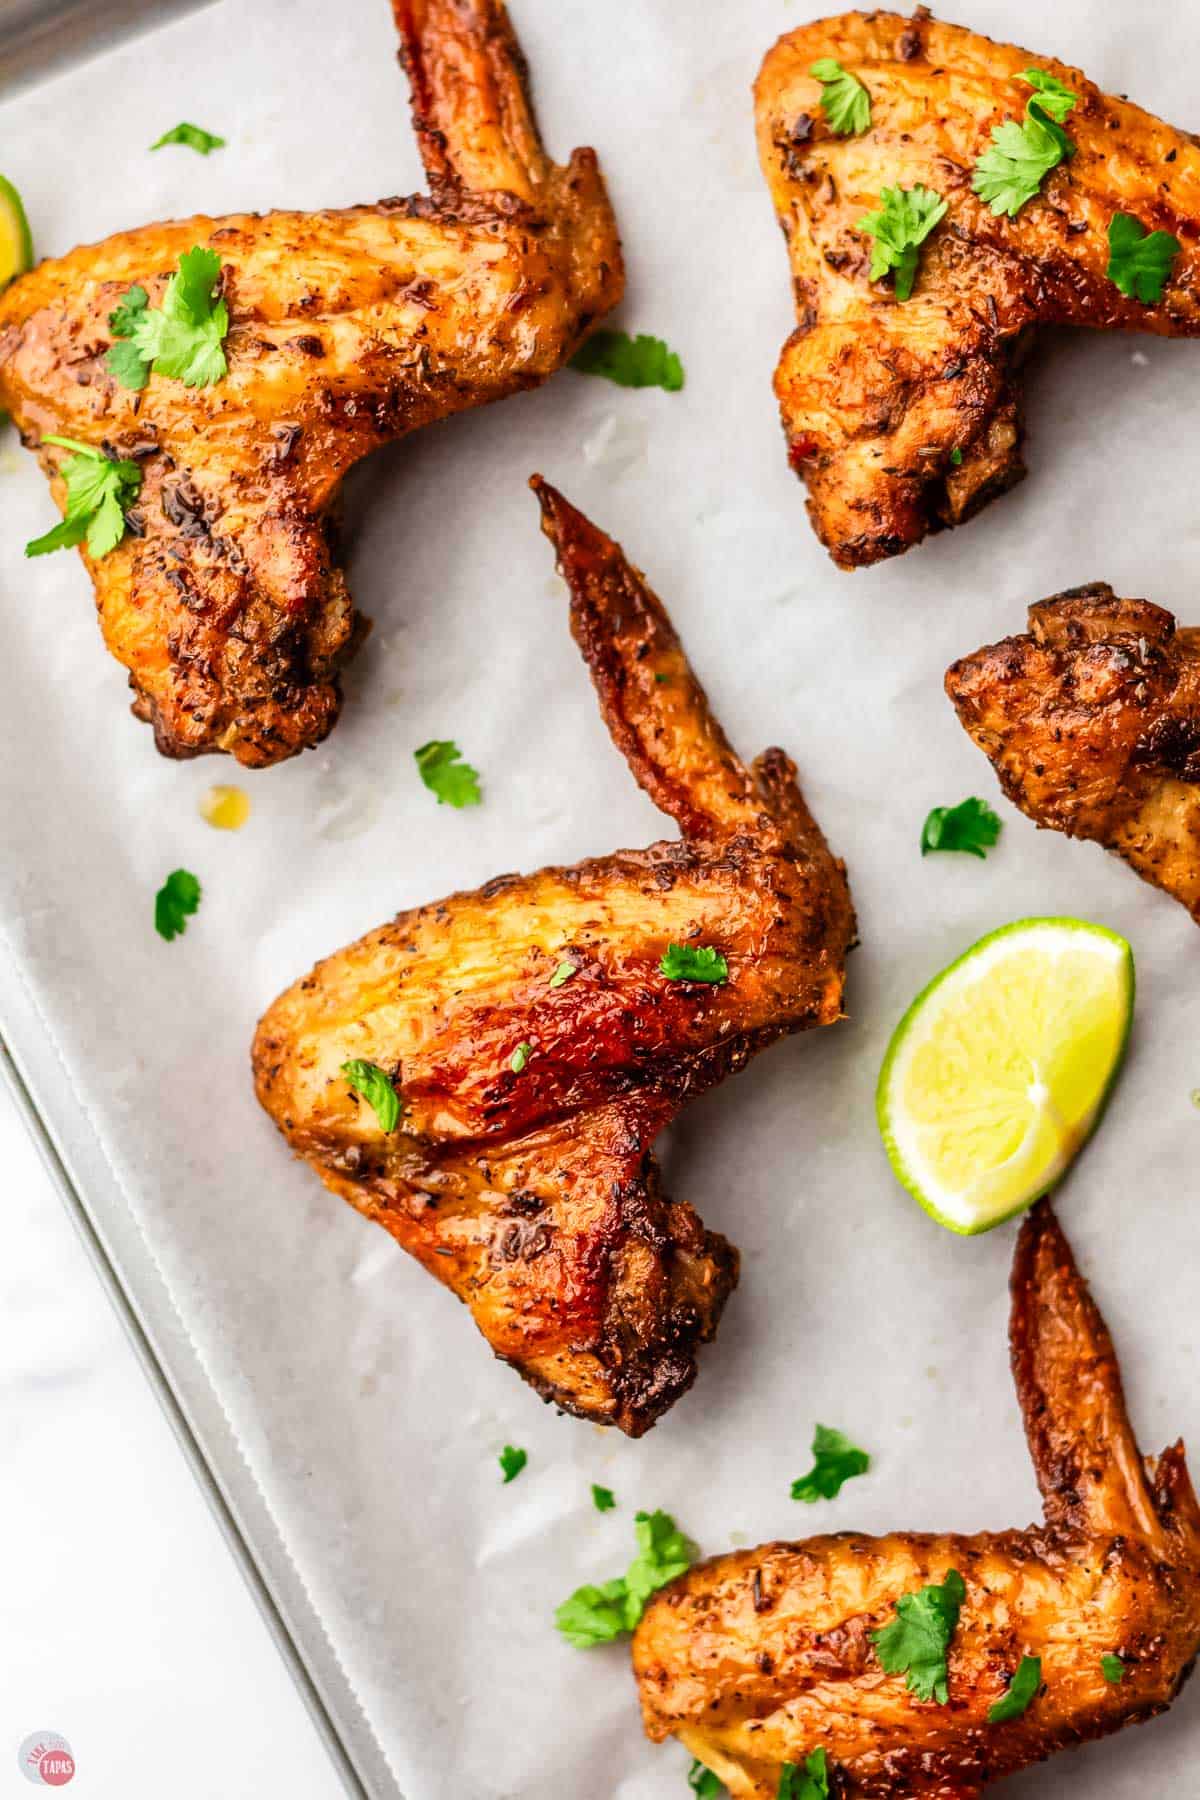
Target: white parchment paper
x=351, y=1412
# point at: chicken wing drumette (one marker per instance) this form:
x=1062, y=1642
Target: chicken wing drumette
x=225, y=601
x=1092, y=722
x=522, y=1173
x=904, y=416
x=757, y=1659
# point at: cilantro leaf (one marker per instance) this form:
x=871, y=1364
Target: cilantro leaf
x=808, y=1783
x=844, y=100
x=634, y=362
x=1139, y=261
x=128, y=311
x=905, y=219
x=1012, y=171
x=182, y=339
x=835, y=1461
x=520, y=1057
x=99, y=489
x=512, y=1461
x=687, y=962
x=919, y=1636
x=193, y=136
x=563, y=974
x=127, y=364
x=970, y=826
x=956, y=457
x=1112, y=1668
x=442, y=769
x=596, y=1615
x=174, y=903
x=702, y=1781
x=603, y=1499
x=377, y=1089
x=1021, y=1690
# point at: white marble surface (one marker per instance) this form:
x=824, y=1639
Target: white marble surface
x=124, y=1621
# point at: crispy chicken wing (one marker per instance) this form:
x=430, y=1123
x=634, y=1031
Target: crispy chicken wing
x=1092, y=721
x=226, y=602
x=878, y=395
x=757, y=1659
x=522, y=1174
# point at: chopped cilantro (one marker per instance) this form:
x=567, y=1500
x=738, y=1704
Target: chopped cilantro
x=702, y=1781
x=970, y=826
x=956, y=457
x=183, y=338
x=918, y=1638
x=563, y=974
x=1112, y=1668
x=634, y=362
x=1021, y=156
x=512, y=1461
x=99, y=491
x=520, y=1057
x=595, y=1615
x=603, y=1499
x=808, y=1783
x=685, y=962
x=835, y=1460
x=193, y=136
x=1021, y=1690
x=174, y=903
x=441, y=767
x=1139, y=261
x=844, y=100
x=905, y=219
x=377, y=1089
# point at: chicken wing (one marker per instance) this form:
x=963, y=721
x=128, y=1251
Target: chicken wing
x=225, y=601
x=904, y=416
x=757, y=1659
x=539, y=1048
x=1092, y=722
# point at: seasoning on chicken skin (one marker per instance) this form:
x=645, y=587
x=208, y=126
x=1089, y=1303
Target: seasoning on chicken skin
x=527, y=1183
x=757, y=1659
x=881, y=398
x=225, y=600
x=1092, y=722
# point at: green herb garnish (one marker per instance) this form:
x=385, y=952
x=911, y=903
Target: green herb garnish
x=512, y=1461
x=520, y=1057
x=1023, y=154
x=603, y=1499
x=905, y=219
x=441, y=767
x=970, y=826
x=1112, y=1668
x=596, y=1615
x=1139, y=261
x=99, y=491
x=835, y=1460
x=182, y=339
x=194, y=136
x=808, y=1783
x=633, y=362
x=956, y=457
x=377, y=1089
x=1021, y=1690
x=687, y=962
x=702, y=1781
x=918, y=1638
x=563, y=974
x=844, y=100
x=174, y=903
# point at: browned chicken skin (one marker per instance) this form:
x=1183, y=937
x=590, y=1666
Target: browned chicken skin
x=876, y=394
x=533, y=1192
x=348, y=329
x=1092, y=722
x=759, y=1658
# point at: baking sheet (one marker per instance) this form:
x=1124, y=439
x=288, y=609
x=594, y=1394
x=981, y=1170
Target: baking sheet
x=349, y=1410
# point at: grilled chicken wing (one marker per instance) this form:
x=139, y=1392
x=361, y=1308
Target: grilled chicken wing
x=757, y=1659
x=525, y=1179
x=878, y=395
x=226, y=602
x=1092, y=721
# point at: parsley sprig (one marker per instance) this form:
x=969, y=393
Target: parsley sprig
x=100, y=490
x=377, y=1089
x=918, y=1638
x=835, y=1461
x=1139, y=261
x=905, y=219
x=844, y=100
x=1022, y=154
x=970, y=826
x=694, y=962
x=441, y=767
x=183, y=338
x=633, y=362
x=596, y=1615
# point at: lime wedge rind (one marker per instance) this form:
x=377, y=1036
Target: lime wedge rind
x=966, y=1213
x=16, y=239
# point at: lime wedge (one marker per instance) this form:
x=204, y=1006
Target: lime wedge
x=16, y=244
x=997, y=1073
